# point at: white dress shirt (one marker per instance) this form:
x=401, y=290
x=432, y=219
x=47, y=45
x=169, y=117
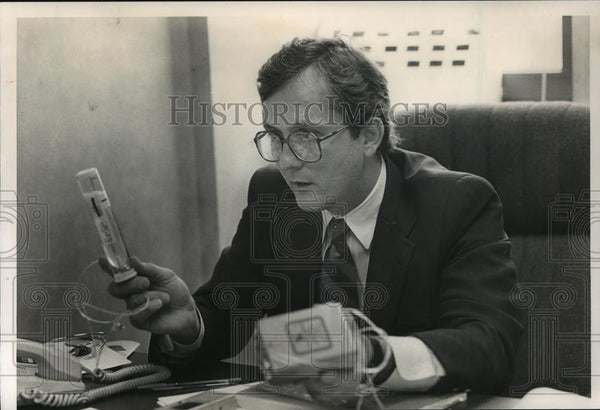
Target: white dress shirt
x=417, y=368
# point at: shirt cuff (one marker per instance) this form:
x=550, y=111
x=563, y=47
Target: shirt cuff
x=417, y=367
x=180, y=349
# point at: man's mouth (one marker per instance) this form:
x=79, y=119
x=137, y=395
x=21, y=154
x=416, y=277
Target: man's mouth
x=300, y=184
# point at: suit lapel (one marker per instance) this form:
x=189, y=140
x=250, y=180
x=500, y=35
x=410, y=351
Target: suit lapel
x=391, y=250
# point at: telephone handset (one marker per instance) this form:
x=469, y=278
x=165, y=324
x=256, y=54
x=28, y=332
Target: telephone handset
x=46, y=368
x=54, y=362
x=58, y=379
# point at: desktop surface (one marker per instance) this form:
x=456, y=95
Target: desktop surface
x=147, y=399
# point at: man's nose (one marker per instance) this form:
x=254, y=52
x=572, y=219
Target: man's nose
x=287, y=159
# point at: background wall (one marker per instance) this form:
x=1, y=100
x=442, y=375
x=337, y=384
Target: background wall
x=506, y=42
x=239, y=47
x=495, y=42
x=93, y=92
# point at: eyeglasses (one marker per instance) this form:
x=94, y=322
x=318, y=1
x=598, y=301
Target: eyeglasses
x=305, y=145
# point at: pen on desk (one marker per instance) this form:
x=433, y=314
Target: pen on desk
x=189, y=385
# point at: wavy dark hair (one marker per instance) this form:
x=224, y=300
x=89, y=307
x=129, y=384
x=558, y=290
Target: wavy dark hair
x=359, y=88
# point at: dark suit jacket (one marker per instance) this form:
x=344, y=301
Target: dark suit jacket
x=440, y=269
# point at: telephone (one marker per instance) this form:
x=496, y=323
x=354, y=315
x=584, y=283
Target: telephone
x=48, y=368
x=53, y=361
x=48, y=374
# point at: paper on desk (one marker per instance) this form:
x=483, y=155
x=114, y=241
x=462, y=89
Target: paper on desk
x=108, y=359
x=545, y=398
x=124, y=347
x=236, y=388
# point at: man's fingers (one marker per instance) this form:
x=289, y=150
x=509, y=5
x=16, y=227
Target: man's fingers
x=138, y=284
x=140, y=320
x=139, y=299
x=156, y=274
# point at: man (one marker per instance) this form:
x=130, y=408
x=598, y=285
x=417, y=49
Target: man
x=426, y=246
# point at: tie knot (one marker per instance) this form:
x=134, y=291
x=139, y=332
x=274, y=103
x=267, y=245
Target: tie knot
x=337, y=228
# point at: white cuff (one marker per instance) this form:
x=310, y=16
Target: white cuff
x=184, y=350
x=417, y=368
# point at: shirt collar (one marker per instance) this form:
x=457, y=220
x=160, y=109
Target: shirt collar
x=362, y=219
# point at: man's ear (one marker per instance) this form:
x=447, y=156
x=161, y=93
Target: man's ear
x=372, y=135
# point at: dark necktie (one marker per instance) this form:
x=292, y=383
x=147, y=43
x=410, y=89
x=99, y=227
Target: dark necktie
x=342, y=285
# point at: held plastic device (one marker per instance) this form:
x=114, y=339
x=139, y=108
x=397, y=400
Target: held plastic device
x=298, y=348
x=113, y=244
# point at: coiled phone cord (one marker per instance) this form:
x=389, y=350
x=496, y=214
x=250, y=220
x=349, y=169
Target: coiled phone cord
x=149, y=374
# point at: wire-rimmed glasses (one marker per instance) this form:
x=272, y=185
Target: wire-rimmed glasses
x=305, y=145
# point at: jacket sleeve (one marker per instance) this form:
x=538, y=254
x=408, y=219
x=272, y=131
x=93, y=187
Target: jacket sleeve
x=479, y=333
x=233, y=280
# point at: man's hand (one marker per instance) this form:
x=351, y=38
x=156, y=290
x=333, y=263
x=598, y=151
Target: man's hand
x=171, y=310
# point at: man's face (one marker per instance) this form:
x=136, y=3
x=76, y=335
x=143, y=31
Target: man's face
x=302, y=105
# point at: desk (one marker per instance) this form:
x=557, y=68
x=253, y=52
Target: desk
x=141, y=399
x=147, y=400
x=481, y=401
